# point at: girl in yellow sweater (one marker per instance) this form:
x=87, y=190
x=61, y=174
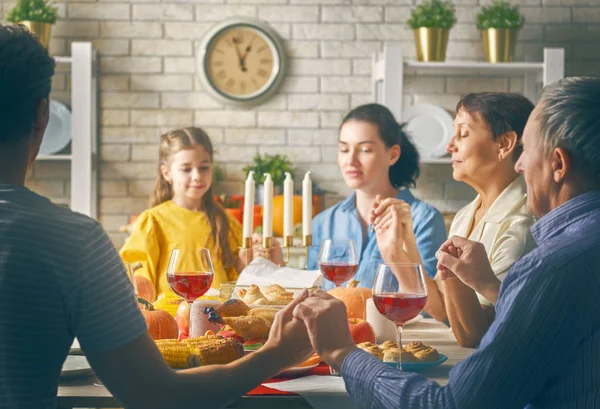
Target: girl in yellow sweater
x=184, y=213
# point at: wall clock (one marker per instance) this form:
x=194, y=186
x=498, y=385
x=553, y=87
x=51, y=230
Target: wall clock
x=241, y=62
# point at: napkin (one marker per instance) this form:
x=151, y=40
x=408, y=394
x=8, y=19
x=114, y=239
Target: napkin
x=263, y=273
x=321, y=392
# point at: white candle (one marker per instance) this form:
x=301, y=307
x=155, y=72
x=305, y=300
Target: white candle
x=268, y=207
x=306, y=205
x=249, y=205
x=288, y=205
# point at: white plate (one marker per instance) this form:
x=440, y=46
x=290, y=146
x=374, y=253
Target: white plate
x=58, y=131
x=75, y=366
x=296, y=371
x=430, y=128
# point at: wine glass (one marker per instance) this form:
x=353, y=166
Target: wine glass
x=338, y=260
x=400, y=294
x=190, y=273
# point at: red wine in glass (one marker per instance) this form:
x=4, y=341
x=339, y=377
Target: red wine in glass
x=190, y=273
x=338, y=273
x=399, y=294
x=190, y=285
x=399, y=308
x=338, y=260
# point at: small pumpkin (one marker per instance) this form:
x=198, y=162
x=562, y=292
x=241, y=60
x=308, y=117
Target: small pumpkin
x=354, y=297
x=161, y=325
x=145, y=288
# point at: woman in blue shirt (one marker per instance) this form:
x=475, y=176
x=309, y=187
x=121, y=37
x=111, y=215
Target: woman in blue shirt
x=376, y=157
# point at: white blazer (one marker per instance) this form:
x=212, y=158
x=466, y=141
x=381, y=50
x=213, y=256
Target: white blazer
x=503, y=230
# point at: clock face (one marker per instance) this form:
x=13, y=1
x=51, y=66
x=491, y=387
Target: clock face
x=242, y=62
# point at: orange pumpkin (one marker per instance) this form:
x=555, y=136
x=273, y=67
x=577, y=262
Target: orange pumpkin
x=278, y=213
x=145, y=288
x=354, y=298
x=161, y=325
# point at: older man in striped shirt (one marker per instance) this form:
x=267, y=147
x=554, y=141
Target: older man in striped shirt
x=543, y=349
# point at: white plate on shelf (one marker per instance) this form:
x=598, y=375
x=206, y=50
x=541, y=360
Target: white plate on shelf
x=58, y=131
x=430, y=128
x=75, y=366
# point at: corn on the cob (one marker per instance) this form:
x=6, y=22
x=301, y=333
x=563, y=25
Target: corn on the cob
x=178, y=356
x=218, y=353
x=196, y=351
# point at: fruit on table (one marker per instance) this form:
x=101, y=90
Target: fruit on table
x=278, y=213
x=182, y=317
x=160, y=323
x=361, y=331
x=167, y=302
x=355, y=299
x=231, y=334
x=145, y=288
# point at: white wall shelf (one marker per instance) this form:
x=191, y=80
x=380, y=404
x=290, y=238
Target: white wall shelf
x=84, y=146
x=58, y=157
x=389, y=68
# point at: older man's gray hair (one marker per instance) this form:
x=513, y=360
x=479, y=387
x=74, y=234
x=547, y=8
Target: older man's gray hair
x=570, y=119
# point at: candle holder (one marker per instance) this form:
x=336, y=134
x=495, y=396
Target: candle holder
x=247, y=245
x=288, y=243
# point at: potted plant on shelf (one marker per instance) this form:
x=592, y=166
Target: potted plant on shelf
x=37, y=15
x=431, y=22
x=499, y=24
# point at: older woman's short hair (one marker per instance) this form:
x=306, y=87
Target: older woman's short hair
x=570, y=118
x=26, y=72
x=501, y=111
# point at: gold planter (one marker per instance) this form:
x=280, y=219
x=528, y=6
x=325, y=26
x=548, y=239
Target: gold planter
x=499, y=44
x=431, y=43
x=41, y=30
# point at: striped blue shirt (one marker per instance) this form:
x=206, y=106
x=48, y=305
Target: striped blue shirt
x=60, y=277
x=543, y=348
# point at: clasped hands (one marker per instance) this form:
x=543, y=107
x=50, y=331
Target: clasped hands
x=311, y=323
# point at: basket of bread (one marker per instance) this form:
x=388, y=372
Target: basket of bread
x=253, y=295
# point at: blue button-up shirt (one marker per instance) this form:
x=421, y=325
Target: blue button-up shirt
x=342, y=222
x=543, y=348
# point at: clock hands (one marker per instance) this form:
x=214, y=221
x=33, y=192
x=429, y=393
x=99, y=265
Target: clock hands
x=248, y=49
x=242, y=58
x=236, y=41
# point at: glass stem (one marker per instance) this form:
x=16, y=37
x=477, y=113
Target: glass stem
x=399, y=340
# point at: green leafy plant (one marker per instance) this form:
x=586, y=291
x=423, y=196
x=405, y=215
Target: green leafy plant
x=500, y=14
x=433, y=14
x=41, y=11
x=276, y=165
x=218, y=175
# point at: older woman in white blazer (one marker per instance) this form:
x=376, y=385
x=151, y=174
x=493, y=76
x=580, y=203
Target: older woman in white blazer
x=485, y=147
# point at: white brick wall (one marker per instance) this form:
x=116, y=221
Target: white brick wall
x=148, y=84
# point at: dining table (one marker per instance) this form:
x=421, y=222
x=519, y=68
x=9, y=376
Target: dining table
x=89, y=393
